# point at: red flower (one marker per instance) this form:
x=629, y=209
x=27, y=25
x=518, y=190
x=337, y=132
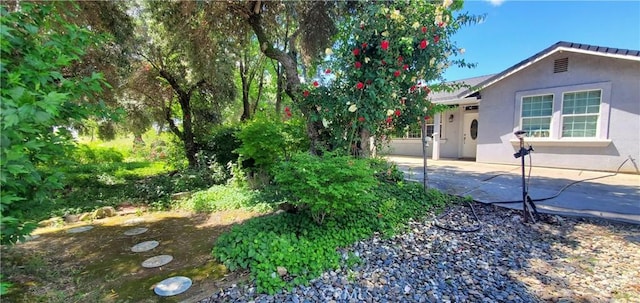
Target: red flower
x=389, y=120
x=356, y=52
x=358, y=64
x=427, y=117
x=287, y=109
x=383, y=62
x=436, y=39
x=424, y=29
x=316, y=84
x=423, y=44
x=397, y=73
x=398, y=113
x=360, y=85
x=384, y=44
x=441, y=24
x=305, y=93
x=405, y=67
x=412, y=89
x=327, y=71
x=400, y=59
x=364, y=45
x=361, y=119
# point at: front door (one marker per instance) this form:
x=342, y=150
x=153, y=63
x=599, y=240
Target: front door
x=470, y=135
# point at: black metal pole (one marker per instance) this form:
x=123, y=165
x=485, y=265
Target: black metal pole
x=524, y=189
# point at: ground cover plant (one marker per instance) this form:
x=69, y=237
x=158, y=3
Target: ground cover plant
x=296, y=243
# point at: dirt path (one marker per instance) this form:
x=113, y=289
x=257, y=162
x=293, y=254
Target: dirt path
x=99, y=266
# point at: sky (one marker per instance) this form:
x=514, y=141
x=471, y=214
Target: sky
x=513, y=31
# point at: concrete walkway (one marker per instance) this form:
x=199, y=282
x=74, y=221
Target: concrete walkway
x=601, y=194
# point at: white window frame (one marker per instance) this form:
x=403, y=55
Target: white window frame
x=555, y=137
x=597, y=135
x=550, y=116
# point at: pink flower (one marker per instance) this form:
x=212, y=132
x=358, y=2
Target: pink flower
x=436, y=39
x=316, y=84
x=424, y=29
x=397, y=73
x=358, y=64
x=327, y=71
x=356, y=52
x=441, y=24
x=360, y=85
x=384, y=44
x=423, y=44
x=361, y=119
x=305, y=93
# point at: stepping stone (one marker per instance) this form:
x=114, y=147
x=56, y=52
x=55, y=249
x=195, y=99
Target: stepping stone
x=136, y=231
x=134, y=221
x=172, y=286
x=157, y=261
x=145, y=246
x=79, y=229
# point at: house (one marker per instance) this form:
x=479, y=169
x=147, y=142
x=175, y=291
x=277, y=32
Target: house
x=578, y=103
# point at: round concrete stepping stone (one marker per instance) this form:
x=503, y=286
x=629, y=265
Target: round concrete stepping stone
x=79, y=229
x=136, y=231
x=157, y=261
x=134, y=221
x=172, y=286
x=145, y=246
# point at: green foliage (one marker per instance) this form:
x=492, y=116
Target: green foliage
x=331, y=185
x=224, y=197
x=220, y=145
x=4, y=286
x=306, y=249
x=38, y=100
x=388, y=58
x=267, y=140
x=86, y=154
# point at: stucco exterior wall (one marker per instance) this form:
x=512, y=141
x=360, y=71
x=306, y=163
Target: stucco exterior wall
x=619, y=134
x=449, y=141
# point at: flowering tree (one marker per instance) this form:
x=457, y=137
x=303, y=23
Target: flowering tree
x=388, y=62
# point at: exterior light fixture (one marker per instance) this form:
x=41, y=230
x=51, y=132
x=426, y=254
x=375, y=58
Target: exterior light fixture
x=451, y=118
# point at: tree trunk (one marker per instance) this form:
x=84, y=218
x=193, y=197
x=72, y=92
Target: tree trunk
x=290, y=66
x=246, y=86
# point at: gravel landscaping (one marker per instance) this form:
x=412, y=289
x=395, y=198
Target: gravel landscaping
x=560, y=259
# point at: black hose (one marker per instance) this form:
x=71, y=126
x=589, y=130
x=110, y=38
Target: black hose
x=479, y=227
x=563, y=188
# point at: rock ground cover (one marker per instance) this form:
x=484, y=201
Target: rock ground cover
x=559, y=259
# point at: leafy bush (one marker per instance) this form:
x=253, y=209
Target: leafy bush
x=37, y=102
x=224, y=197
x=306, y=249
x=267, y=141
x=94, y=154
x=331, y=185
x=221, y=144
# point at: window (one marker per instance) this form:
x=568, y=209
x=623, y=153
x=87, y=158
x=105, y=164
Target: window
x=580, y=112
x=536, y=115
x=414, y=132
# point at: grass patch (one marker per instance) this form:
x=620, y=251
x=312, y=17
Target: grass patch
x=306, y=249
x=221, y=197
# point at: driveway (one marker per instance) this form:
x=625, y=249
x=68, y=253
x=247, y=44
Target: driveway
x=596, y=194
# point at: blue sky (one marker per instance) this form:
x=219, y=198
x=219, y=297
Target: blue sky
x=515, y=30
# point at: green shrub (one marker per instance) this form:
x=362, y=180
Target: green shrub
x=266, y=141
x=331, y=185
x=221, y=144
x=94, y=154
x=224, y=197
x=306, y=249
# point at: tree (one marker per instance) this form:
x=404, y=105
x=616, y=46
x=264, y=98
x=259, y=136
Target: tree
x=180, y=51
x=39, y=100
